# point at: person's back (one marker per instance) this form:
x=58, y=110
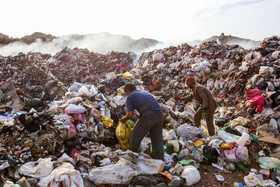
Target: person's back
x=141, y=101
x=150, y=119
x=202, y=94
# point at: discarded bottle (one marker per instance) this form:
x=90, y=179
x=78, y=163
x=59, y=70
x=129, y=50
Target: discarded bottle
x=238, y=184
x=227, y=137
x=231, y=145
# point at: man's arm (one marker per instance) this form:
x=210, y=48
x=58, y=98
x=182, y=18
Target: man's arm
x=127, y=116
x=188, y=98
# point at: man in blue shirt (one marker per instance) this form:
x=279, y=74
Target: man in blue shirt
x=151, y=119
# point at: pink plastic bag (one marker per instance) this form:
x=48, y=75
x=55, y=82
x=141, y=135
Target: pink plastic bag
x=255, y=98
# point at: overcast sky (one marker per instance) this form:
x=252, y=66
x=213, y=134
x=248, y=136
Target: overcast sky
x=164, y=20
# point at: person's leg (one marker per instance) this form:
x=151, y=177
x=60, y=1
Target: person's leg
x=197, y=117
x=140, y=130
x=156, y=136
x=210, y=125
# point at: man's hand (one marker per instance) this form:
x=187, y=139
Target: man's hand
x=123, y=120
x=204, y=115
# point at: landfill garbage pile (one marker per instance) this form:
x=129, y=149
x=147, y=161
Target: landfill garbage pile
x=4, y=39
x=60, y=117
x=80, y=65
x=44, y=77
x=232, y=40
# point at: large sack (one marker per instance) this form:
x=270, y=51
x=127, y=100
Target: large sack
x=64, y=175
x=38, y=169
x=120, y=173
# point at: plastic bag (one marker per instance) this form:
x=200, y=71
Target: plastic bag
x=76, y=86
x=160, y=65
x=71, y=129
x=110, y=75
x=88, y=92
x=188, y=131
x=150, y=166
x=191, y=174
x=127, y=74
x=269, y=162
x=39, y=169
x=236, y=153
x=64, y=175
x=254, y=97
x=119, y=173
x=189, y=110
x=106, y=121
x=158, y=57
x=119, y=100
x=266, y=70
x=169, y=135
x=72, y=108
x=240, y=121
x=123, y=132
x=175, y=144
x=257, y=180
x=66, y=158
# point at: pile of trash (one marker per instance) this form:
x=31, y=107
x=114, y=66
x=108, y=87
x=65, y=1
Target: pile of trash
x=60, y=116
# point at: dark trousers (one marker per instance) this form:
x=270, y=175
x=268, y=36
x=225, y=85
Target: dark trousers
x=209, y=120
x=152, y=122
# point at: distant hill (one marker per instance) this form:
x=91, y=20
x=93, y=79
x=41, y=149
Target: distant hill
x=231, y=40
x=5, y=39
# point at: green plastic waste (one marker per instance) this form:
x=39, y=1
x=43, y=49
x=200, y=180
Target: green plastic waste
x=184, y=162
x=269, y=163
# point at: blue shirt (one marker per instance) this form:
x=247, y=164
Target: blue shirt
x=141, y=101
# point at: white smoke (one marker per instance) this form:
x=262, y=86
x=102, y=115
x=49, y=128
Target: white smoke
x=100, y=43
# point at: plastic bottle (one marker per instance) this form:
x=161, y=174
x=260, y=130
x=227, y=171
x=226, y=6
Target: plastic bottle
x=231, y=145
x=227, y=137
x=244, y=139
x=236, y=184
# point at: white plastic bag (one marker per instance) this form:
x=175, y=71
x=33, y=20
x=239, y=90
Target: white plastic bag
x=169, y=135
x=65, y=175
x=66, y=158
x=189, y=110
x=92, y=91
x=188, y=131
x=255, y=180
x=191, y=174
x=158, y=56
x=76, y=86
x=39, y=169
x=72, y=109
x=150, y=166
x=119, y=173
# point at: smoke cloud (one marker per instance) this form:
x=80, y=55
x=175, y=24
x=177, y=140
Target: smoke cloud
x=104, y=43
x=100, y=43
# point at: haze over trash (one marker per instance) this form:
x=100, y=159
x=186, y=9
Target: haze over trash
x=101, y=43
x=166, y=22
